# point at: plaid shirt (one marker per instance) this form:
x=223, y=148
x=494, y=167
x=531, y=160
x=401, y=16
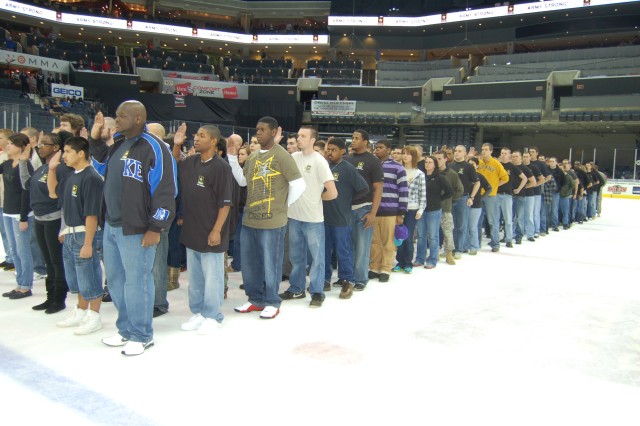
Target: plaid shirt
x=547, y=191
x=417, y=192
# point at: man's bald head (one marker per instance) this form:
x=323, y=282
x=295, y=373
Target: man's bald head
x=131, y=117
x=157, y=129
x=235, y=139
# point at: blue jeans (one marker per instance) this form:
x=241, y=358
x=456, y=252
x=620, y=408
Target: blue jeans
x=262, y=250
x=206, y=283
x=553, y=215
x=491, y=210
x=565, y=210
x=160, y=273
x=404, y=254
x=361, y=239
x=591, y=204
x=473, y=226
x=8, y=253
x=128, y=266
x=236, y=263
x=537, y=207
x=36, y=255
x=421, y=240
x=20, y=243
x=84, y=275
x=306, y=238
x=460, y=212
x=433, y=235
x=529, y=215
x=518, y=217
x=338, y=238
x=580, y=208
x=505, y=204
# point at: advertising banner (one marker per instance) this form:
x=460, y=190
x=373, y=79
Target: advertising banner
x=211, y=89
x=622, y=189
x=340, y=108
x=189, y=75
x=66, y=91
x=13, y=59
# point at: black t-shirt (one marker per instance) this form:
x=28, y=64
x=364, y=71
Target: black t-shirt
x=484, y=184
x=370, y=169
x=514, y=179
x=16, y=199
x=558, y=176
x=466, y=173
x=82, y=196
x=528, y=192
x=205, y=188
x=542, y=167
x=536, y=175
x=41, y=203
x=349, y=183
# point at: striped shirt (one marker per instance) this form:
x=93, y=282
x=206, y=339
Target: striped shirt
x=395, y=189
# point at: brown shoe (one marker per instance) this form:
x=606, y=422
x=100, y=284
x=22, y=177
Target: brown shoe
x=450, y=260
x=347, y=290
x=174, y=276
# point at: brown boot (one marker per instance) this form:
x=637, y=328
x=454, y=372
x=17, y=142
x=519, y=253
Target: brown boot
x=174, y=276
x=450, y=260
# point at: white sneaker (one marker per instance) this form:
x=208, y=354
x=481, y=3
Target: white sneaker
x=193, y=323
x=37, y=276
x=115, y=340
x=457, y=255
x=76, y=318
x=209, y=326
x=135, y=348
x=269, y=312
x=92, y=322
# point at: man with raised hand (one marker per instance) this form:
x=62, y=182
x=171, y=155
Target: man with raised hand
x=273, y=184
x=306, y=221
x=139, y=198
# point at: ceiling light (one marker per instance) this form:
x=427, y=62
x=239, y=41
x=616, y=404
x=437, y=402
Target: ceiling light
x=177, y=39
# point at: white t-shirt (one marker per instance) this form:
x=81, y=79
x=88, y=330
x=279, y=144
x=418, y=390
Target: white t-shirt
x=315, y=172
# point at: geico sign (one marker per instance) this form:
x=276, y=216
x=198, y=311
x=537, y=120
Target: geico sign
x=68, y=92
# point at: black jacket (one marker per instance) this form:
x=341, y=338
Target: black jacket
x=148, y=198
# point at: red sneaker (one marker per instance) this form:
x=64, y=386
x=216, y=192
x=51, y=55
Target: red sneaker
x=248, y=307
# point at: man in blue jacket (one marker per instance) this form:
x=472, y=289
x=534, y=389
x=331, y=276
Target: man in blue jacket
x=139, y=200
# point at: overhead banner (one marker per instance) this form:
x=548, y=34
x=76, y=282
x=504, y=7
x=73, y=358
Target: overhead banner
x=189, y=75
x=211, y=89
x=341, y=108
x=13, y=59
x=66, y=91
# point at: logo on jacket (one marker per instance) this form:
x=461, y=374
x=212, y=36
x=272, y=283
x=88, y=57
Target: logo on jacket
x=132, y=169
x=161, y=214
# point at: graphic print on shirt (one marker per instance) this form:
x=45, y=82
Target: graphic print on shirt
x=200, y=182
x=74, y=191
x=262, y=175
x=43, y=179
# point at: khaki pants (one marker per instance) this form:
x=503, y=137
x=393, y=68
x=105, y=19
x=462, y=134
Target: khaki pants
x=383, y=249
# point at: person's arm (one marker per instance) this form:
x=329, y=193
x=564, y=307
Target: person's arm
x=523, y=182
x=531, y=182
x=474, y=191
x=422, y=202
x=331, y=192
x=502, y=175
x=163, y=188
x=178, y=140
x=52, y=178
x=91, y=225
x=98, y=148
x=236, y=170
x=215, y=237
x=296, y=189
x=370, y=217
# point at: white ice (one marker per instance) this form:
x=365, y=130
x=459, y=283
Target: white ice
x=546, y=333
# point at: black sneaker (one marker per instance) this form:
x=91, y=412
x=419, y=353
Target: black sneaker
x=9, y=267
x=509, y=244
x=556, y=229
x=9, y=293
x=3, y=264
x=384, y=278
x=518, y=241
x=106, y=296
x=327, y=286
x=158, y=312
x=241, y=286
x=316, y=300
x=359, y=287
x=43, y=306
x=495, y=249
x=338, y=283
x=55, y=307
x=20, y=295
x=533, y=240
x=289, y=295
x=373, y=275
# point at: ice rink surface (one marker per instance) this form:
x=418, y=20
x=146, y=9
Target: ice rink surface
x=546, y=333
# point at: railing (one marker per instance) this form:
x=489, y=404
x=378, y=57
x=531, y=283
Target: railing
x=15, y=116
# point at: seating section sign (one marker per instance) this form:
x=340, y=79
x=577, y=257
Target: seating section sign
x=339, y=108
x=211, y=89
